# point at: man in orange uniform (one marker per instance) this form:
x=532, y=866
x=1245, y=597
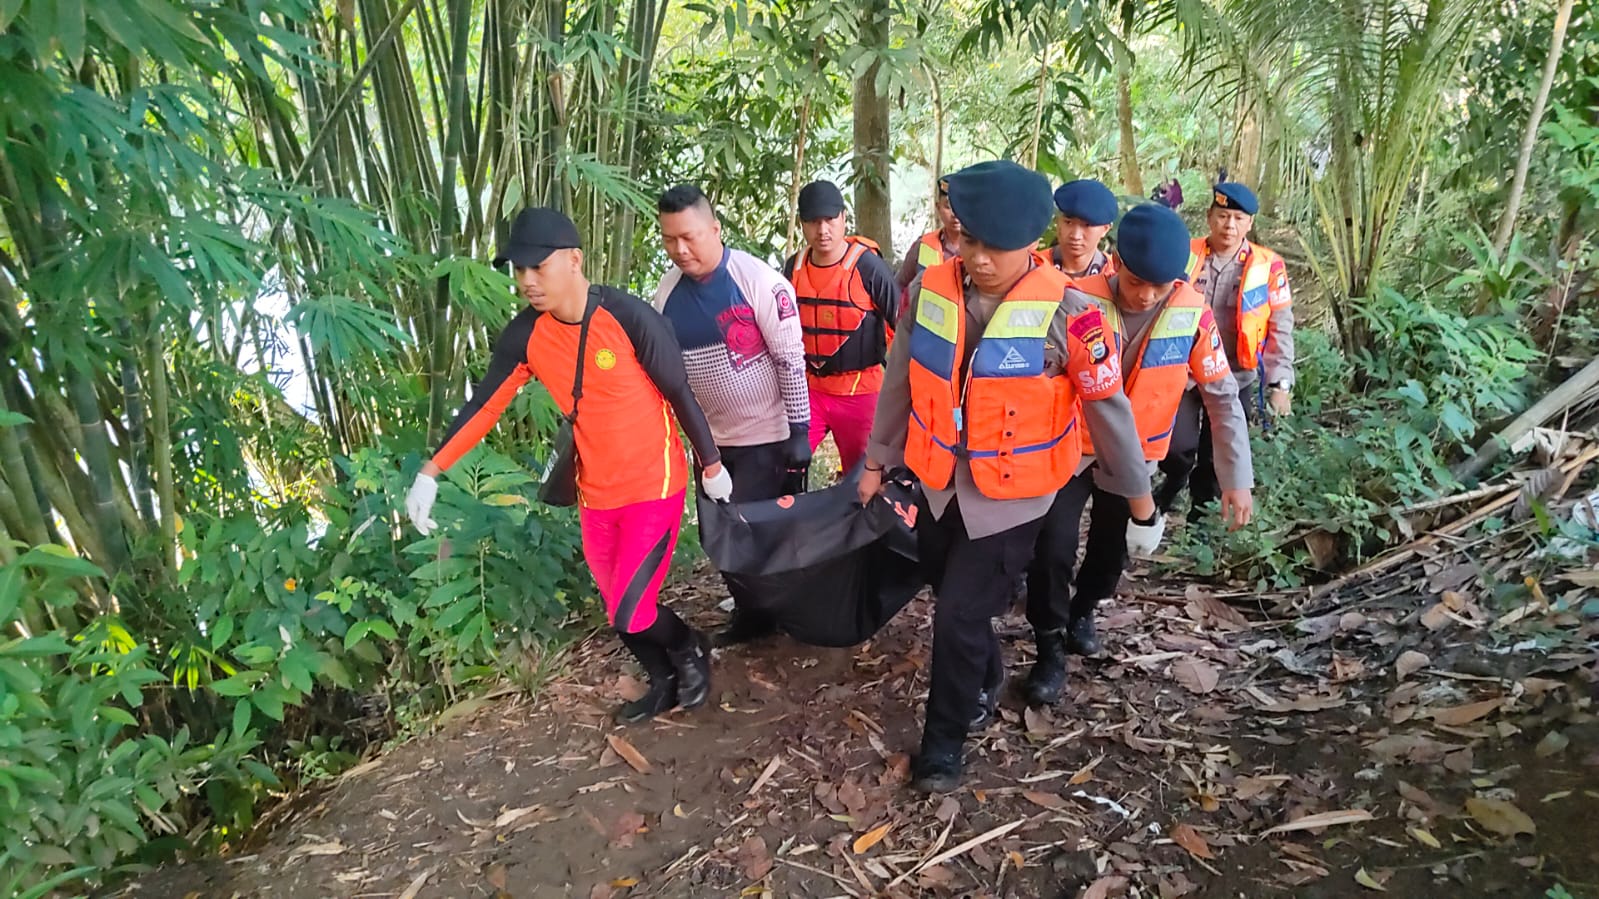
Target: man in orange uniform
x=939, y=245
x=1246, y=287
x=1166, y=339
x=995, y=373
x=1084, y=211
x=848, y=303
x=631, y=471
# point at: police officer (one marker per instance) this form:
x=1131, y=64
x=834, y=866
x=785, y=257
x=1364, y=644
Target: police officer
x=995, y=373
x=1246, y=287
x=938, y=245
x=1166, y=339
x=1084, y=211
x=848, y=304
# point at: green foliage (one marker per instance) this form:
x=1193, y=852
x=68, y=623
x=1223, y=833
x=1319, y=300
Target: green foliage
x=1368, y=438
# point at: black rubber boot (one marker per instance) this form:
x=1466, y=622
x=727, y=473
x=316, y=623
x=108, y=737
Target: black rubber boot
x=662, y=695
x=936, y=770
x=1082, y=638
x=692, y=661
x=1048, y=675
x=746, y=626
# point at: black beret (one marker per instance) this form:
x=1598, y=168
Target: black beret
x=1001, y=204
x=1232, y=195
x=1153, y=243
x=1086, y=200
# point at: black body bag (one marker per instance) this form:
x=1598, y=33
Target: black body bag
x=831, y=572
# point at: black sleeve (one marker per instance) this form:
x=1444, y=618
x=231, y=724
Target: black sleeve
x=662, y=359
x=788, y=268
x=879, y=282
x=506, y=364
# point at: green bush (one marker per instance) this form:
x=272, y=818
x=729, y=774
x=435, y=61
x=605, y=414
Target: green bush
x=111, y=736
x=1368, y=436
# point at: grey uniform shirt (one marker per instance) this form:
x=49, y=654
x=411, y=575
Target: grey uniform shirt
x=1110, y=421
x=1217, y=279
x=1229, y=430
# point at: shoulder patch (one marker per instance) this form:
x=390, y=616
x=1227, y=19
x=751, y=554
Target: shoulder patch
x=786, y=307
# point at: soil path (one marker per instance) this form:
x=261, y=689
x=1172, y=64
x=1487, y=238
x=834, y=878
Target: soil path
x=1162, y=775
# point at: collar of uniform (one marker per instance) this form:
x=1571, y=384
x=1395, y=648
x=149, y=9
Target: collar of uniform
x=966, y=278
x=1241, y=256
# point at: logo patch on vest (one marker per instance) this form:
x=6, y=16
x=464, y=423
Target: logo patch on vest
x=605, y=360
x=1012, y=361
x=1097, y=351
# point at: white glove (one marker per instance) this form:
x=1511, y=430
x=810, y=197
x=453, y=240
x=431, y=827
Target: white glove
x=419, y=503
x=1142, y=540
x=720, y=487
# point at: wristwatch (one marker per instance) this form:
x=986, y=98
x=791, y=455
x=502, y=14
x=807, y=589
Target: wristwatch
x=1284, y=386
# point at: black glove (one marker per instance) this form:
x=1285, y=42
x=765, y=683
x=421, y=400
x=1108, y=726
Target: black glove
x=797, y=450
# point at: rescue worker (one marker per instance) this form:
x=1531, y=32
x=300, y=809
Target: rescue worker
x=1084, y=211
x=994, y=375
x=1166, y=339
x=848, y=304
x=1246, y=287
x=739, y=327
x=938, y=245
x=631, y=473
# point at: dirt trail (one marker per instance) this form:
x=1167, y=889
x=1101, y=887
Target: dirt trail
x=1198, y=733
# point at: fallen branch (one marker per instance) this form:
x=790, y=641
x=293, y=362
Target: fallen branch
x=1571, y=469
x=1572, y=391
x=948, y=854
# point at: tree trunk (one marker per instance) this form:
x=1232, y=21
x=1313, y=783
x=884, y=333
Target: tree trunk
x=1132, y=180
x=874, y=215
x=790, y=245
x=938, y=127
x=1529, y=137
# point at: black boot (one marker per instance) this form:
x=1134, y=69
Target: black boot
x=936, y=770
x=662, y=695
x=692, y=661
x=1081, y=637
x=1048, y=675
x=744, y=626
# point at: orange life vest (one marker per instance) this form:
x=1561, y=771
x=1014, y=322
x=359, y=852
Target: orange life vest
x=930, y=250
x=1157, y=375
x=1262, y=290
x=843, y=332
x=1016, y=426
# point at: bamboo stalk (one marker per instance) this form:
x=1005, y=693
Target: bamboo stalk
x=155, y=367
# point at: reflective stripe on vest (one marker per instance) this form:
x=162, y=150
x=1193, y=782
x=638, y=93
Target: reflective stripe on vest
x=1016, y=426
x=832, y=313
x=1254, y=297
x=1155, y=380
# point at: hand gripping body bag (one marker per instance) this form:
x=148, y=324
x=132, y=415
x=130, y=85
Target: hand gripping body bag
x=830, y=571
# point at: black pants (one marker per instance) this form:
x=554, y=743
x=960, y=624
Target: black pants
x=758, y=472
x=1054, y=597
x=1191, y=460
x=973, y=581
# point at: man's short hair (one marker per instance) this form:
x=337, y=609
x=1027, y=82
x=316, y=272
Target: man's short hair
x=681, y=197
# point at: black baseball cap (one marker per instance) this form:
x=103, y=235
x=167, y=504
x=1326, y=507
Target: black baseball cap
x=820, y=200
x=537, y=232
